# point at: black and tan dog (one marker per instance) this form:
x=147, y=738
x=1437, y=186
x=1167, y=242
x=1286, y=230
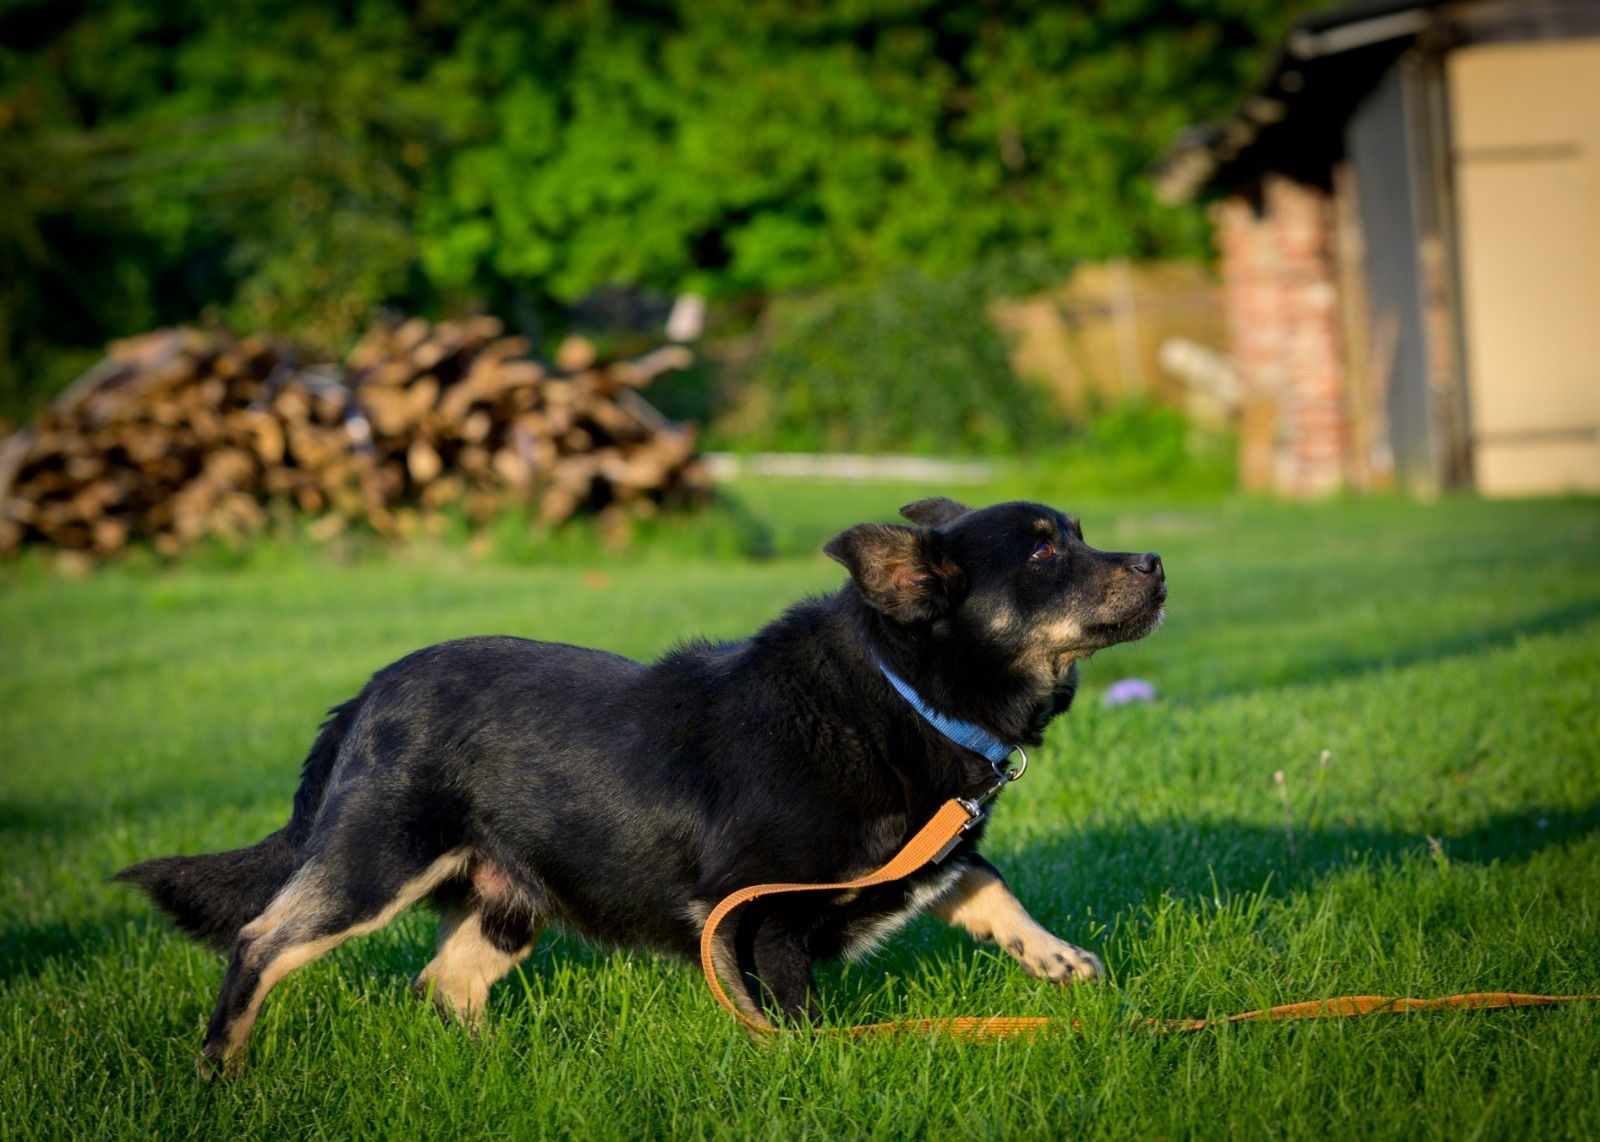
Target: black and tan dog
x=517, y=784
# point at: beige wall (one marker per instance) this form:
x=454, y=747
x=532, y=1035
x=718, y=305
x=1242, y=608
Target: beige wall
x=1099, y=337
x=1525, y=121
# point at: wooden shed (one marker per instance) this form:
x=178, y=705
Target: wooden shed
x=1407, y=208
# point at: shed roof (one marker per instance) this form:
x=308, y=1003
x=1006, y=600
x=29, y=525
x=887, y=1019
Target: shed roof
x=1292, y=120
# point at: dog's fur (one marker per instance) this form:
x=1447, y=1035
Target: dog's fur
x=516, y=784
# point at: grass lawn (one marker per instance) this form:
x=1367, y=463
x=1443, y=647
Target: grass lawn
x=1447, y=658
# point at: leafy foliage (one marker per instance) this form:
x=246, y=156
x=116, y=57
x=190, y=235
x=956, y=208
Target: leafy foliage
x=299, y=163
x=908, y=364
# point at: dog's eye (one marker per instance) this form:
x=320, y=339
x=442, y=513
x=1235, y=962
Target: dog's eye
x=1044, y=549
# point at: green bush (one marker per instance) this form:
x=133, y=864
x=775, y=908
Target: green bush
x=1133, y=447
x=910, y=363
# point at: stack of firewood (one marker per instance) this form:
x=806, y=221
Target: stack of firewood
x=181, y=434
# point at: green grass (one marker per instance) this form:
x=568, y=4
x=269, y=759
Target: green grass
x=1446, y=657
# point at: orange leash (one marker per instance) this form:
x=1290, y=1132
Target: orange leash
x=931, y=842
x=937, y=838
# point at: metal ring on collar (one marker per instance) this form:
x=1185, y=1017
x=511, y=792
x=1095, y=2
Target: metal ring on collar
x=1007, y=776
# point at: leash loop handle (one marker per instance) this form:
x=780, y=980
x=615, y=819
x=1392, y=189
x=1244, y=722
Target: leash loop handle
x=930, y=844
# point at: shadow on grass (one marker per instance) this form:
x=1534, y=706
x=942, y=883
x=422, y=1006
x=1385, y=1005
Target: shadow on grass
x=1195, y=861
x=65, y=813
x=1312, y=669
x=1189, y=860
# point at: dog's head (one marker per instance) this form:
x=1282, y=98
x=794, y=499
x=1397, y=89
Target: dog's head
x=1014, y=581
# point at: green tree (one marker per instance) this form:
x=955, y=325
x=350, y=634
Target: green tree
x=294, y=164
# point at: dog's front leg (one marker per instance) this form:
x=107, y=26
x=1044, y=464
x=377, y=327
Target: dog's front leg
x=980, y=903
x=782, y=979
x=774, y=967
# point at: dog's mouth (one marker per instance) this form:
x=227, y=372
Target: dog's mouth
x=1133, y=626
x=1131, y=629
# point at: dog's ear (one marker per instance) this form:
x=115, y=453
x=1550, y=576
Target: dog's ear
x=934, y=511
x=901, y=571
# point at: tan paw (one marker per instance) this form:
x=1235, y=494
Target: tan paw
x=454, y=1002
x=1059, y=962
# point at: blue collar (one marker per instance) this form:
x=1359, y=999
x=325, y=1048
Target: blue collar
x=964, y=734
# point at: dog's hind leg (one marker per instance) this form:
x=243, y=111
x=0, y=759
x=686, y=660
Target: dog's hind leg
x=483, y=934
x=324, y=904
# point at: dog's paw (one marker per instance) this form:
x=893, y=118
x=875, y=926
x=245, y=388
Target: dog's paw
x=456, y=1005
x=213, y=1064
x=1059, y=962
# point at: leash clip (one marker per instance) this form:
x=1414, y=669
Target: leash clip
x=1003, y=777
x=979, y=805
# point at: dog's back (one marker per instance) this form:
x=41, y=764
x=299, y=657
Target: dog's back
x=406, y=749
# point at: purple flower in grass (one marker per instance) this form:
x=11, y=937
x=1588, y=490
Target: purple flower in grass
x=1126, y=690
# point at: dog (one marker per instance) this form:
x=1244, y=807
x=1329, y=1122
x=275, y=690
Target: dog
x=516, y=784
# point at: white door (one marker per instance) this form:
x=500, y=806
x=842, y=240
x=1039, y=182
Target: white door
x=1525, y=125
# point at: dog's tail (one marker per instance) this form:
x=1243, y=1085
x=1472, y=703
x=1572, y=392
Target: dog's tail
x=212, y=896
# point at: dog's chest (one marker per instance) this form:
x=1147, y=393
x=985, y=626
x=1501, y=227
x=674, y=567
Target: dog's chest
x=862, y=922
x=871, y=920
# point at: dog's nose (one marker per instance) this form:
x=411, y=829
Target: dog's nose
x=1149, y=563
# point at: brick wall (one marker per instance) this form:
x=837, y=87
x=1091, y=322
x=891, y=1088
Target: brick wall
x=1279, y=290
